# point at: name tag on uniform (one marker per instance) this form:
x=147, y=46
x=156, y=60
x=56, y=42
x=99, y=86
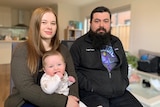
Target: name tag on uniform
x=116, y=49
x=90, y=50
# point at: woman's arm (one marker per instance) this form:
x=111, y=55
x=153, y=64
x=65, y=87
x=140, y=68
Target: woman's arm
x=70, y=70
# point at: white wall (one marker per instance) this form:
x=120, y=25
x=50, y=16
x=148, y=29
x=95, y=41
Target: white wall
x=145, y=25
x=65, y=13
x=5, y=16
x=145, y=16
x=111, y=4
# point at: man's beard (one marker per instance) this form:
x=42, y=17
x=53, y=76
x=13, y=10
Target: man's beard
x=100, y=40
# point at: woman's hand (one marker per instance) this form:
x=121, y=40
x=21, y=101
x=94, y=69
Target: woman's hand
x=72, y=101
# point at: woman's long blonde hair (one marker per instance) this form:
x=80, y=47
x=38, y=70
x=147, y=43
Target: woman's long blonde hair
x=35, y=46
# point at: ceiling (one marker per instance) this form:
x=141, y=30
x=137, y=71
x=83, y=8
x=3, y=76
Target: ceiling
x=36, y=3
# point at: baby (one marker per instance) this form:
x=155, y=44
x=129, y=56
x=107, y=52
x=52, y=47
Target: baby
x=55, y=79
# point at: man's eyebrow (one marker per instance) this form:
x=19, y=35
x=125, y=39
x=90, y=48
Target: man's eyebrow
x=106, y=19
x=96, y=19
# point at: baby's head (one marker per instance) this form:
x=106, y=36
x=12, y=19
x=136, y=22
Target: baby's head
x=53, y=63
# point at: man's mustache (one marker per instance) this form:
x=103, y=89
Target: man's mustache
x=101, y=28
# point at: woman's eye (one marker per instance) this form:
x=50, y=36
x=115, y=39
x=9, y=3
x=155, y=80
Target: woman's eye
x=53, y=23
x=44, y=22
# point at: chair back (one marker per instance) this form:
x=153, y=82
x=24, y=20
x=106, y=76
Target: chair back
x=67, y=43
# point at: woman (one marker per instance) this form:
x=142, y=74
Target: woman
x=26, y=64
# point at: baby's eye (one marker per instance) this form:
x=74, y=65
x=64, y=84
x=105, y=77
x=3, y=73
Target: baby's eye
x=59, y=64
x=50, y=66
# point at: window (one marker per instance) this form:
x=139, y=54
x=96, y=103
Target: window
x=121, y=18
x=121, y=27
x=86, y=24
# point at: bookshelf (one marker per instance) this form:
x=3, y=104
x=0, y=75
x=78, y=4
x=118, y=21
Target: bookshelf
x=73, y=34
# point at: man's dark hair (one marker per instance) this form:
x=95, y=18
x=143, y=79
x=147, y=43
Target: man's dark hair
x=99, y=9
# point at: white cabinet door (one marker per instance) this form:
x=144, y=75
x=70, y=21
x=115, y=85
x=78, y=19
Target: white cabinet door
x=5, y=17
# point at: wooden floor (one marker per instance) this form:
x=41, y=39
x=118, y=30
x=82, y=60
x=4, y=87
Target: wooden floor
x=4, y=82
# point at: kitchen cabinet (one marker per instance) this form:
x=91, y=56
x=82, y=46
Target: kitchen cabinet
x=6, y=49
x=5, y=52
x=8, y=36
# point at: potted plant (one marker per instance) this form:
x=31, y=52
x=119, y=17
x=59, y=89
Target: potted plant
x=132, y=60
x=132, y=63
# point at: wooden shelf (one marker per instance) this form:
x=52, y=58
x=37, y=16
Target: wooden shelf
x=73, y=34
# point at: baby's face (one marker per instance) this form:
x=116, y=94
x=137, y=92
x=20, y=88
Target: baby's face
x=54, y=64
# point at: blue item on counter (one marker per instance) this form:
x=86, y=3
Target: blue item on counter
x=144, y=57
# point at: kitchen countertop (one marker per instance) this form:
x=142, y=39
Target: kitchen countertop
x=6, y=50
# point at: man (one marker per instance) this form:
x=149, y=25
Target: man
x=101, y=65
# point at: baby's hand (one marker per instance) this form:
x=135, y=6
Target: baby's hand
x=71, y=79
x=59, y=74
